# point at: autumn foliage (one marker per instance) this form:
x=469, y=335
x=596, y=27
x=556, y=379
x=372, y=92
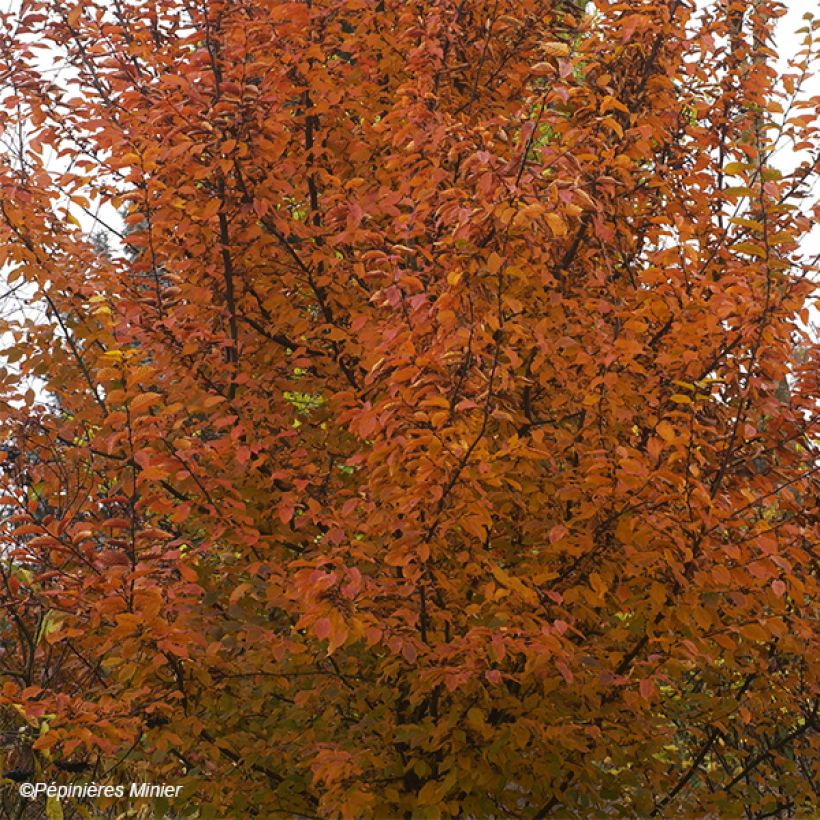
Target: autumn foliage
x=436, y=433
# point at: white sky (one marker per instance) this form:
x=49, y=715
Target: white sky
x=788, y=42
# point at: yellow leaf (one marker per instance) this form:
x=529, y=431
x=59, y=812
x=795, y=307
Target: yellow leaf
x=750, y=248
x=746, y=223
x=54, y=811
x=781, y=238
x=475, y=716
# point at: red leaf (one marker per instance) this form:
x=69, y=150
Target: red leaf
x=322, y=628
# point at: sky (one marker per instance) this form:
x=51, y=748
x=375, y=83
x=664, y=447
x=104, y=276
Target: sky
x=788, y=42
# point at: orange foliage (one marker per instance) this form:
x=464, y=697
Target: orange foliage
x=439, y=436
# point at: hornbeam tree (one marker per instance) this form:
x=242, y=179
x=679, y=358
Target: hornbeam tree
x=439, y=435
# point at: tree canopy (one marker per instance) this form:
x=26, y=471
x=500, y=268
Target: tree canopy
x=438, y=437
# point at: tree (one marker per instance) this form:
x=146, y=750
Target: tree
x=424, y=449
